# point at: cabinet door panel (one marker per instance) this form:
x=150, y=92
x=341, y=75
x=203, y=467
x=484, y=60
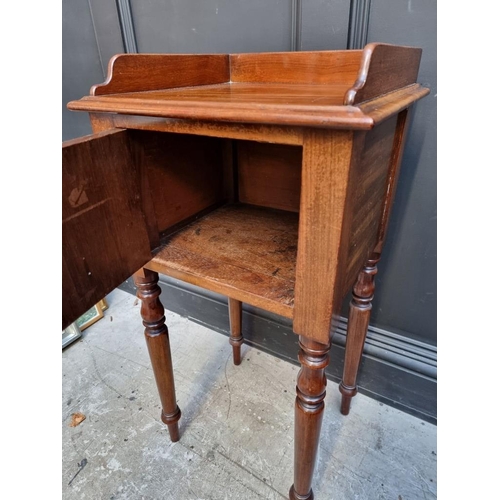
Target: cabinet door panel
x=104, y=232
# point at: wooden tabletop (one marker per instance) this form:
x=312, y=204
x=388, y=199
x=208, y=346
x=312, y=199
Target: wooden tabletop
x=327, y=89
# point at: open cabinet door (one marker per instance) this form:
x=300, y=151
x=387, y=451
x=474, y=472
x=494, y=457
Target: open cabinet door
x=104, y=231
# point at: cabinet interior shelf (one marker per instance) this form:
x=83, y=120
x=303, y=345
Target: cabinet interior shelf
x=239, y=250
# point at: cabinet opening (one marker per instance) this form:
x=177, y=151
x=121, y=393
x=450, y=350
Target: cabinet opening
x=227, y=214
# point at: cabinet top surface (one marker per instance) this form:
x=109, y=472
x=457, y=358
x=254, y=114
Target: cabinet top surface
x=350, y=89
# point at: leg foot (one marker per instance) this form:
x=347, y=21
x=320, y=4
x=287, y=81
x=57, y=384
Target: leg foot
x=309, y=406
x=357, y=326
x=292, y=494
x=156, y=333
x=347, y=394
x=236, y=338
x=172, y=424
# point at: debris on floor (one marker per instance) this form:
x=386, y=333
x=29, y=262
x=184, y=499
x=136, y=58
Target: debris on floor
x=77, y=419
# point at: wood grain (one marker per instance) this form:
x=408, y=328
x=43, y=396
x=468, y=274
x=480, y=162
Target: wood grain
x=157, y=340
x=383, y=107
x=269, y=175
x=369, y=188
x=309, y=408
x=384, y=68
x=319, y=67
x=100, y=122
x=325, y=178
x=247, y=253
x=185, y=174
x=320, y=89
x=263, y=133
x=282, y=104
x=165, y=174
x=143, y=72
x=104, y=234
x=357, y=327
x=392, y=178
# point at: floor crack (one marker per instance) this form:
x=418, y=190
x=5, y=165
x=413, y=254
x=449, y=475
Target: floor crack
x=252, y=474
x=94, y=361
x=228, y=388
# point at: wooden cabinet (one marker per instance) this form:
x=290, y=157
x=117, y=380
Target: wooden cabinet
x=265, y=177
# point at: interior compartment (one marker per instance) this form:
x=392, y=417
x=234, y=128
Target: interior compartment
x=227, y=214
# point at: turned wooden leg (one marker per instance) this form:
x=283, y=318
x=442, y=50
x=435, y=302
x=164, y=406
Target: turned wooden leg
x=309, y=405
x=236, y=338
x=156, y=333
x=357, y=326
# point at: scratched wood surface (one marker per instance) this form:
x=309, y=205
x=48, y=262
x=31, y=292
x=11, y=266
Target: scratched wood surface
x=245, y=252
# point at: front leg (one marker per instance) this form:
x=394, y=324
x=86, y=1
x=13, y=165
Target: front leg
x=158, y=343
x=309, y=406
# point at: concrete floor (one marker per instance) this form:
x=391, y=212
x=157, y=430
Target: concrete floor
x=236, y=426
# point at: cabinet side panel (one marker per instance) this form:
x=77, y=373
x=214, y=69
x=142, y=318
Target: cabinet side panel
x=326, y=170
x=369, y=180
x=269, y=175
x=185, y=174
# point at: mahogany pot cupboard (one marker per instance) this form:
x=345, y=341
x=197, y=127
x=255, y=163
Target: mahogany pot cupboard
x=265, y=177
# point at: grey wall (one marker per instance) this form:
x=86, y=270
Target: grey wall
x=91, y=35
x=93, y=30
x=406, y=297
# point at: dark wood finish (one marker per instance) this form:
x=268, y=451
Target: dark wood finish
x=177, y=167
x=383, y=107
x=399, y=372
x=309, y=406
x=299, y=89
x=229, y=171
x=236, y=338
x=156, y=332
x=392, y=178
x=104, y=122
x=383, y=147
x=282, y=104
x=296, y=265
x=104, y=232
x=369, y=180
x=357, y=326
x=247, y=253
x=384, y=68
x=269, y=175
x=146, y=72
x=374, y=158
x=320, y=68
